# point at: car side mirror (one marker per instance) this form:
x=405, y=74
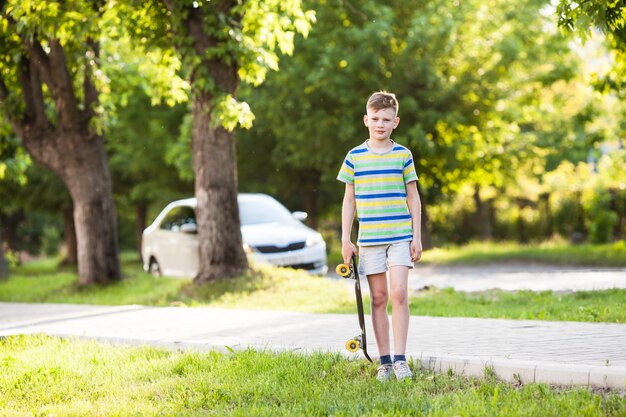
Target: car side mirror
x=300, y=215
x=189, y=228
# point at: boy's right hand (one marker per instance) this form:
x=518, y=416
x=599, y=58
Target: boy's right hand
x=347, y=250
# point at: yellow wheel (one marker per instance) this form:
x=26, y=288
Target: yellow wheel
x=342, y=270
x=352, y=345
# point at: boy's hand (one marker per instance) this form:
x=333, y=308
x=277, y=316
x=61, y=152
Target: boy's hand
x=416, y=250
x=347, y=250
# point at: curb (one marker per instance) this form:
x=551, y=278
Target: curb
x=525, y=372
x=511, y=371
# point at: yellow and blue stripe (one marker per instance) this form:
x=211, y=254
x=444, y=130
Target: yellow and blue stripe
x=380, y=189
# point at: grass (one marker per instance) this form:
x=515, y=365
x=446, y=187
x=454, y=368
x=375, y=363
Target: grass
x=589, y=306
x=265, y=287
x=550, y=252
x=45, y=376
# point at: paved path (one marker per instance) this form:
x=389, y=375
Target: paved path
x=566, y=353
x=518, y=276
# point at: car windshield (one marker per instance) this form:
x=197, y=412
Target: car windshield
x=262, y=210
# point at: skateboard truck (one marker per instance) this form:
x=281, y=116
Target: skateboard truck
x=359, y=341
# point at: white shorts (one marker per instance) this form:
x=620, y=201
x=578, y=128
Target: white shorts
x=379, y=258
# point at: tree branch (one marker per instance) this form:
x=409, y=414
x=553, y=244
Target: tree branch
x=90, y=92
x=25, y=78
x=4, y=91
x=65, y=98
x=89, y=88
x=52, y=70
x=24, y=73
x=33, y=94
x=41, y=61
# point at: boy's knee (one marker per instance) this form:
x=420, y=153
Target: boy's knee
x=379, y=298
x=399, y=296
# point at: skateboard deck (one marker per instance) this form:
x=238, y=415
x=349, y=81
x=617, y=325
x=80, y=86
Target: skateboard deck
x=360, y=341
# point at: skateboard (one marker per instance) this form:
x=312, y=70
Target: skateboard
x=350, y=272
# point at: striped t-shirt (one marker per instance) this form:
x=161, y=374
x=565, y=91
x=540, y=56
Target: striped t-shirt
x=380, y=190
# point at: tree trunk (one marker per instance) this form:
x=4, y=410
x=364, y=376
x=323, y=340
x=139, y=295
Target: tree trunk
x=80, y=160
x=547, y=212
x=4, y=265
x=617, y=206
x=11, y=223
x=521, y=226
x=69, y=236
x=483, y=218
x=58, y=134
x=579, y=234
x=221, y=252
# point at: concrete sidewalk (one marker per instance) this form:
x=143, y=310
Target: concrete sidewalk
x=564, y=353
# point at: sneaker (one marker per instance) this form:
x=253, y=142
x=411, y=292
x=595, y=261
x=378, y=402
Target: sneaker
x=402, y=370
x=383, y=373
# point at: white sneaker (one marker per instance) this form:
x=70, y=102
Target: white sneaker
x=383, y=373
x=402, y=370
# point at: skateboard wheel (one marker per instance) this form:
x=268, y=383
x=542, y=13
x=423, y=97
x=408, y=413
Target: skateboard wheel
x=352, y=345
x=343, y=270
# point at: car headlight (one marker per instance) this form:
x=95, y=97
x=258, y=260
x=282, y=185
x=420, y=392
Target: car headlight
x=314, y=240
x=248, y=249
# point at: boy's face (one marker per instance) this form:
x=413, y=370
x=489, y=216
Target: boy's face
x=381, y=123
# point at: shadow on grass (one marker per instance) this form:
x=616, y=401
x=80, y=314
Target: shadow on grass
x=244, y=285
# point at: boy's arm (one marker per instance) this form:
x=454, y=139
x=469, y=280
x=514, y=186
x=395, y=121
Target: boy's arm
x=415, y=208
x=347, y=218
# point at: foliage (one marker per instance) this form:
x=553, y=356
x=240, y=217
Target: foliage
x=50, y=240
x=141, y=135
x=39, y=233
x=13, y=160
x=490, y=96
x=581, y=17
x=588, y=197
x=568, y=214
x=246, y=36
x=33, y=209
x=573, y=201
x=485, y=92
x=14, y=163
x=601, y=219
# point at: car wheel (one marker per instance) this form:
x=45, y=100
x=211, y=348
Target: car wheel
x=155, y=269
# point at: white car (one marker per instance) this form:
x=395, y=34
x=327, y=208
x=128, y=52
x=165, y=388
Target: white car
x=270, y=234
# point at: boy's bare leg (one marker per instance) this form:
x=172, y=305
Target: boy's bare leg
x=380, y=321
x=400, y=315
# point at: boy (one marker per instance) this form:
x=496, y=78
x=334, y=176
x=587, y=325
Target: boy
x=381, y=184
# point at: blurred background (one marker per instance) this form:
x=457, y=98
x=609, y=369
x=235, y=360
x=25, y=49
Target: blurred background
x=516, y=130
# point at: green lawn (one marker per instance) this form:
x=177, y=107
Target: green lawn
x=275, y=288
x=264, y=287
x=43, y=376
x=551, y=252
x=590, y=306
